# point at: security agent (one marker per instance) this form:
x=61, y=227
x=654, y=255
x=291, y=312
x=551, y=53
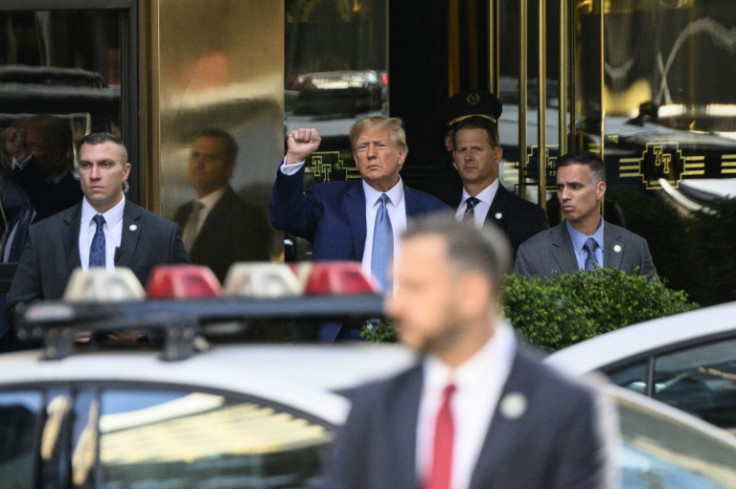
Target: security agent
x=478, y=410
x=479, y=197
x=104, y=230
x=584, y=240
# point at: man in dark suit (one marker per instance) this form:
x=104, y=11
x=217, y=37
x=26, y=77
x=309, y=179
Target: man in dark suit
x=584, y=240
x=129, y=236
x=473, y=141
x=45, y=171
x=219, y=228
x=340, y=218
x=478, y=411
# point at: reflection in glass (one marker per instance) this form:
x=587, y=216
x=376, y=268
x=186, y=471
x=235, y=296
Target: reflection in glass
x=179, y=439
x=19, y=421
x=65, y=63
x=660, y=451
x=335, y=73
x=701, y=381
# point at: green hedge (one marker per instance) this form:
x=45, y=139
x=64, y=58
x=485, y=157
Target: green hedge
x=559, y=311
x=562, y=310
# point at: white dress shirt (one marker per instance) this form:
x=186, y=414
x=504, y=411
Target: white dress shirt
x=396, y=212
x=485, y=198
x=113, y=229
x=479, y=383
x=208, y=202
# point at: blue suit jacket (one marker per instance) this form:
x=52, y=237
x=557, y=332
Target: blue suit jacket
x=555, y=443
x=332, y=215
x=51, y=253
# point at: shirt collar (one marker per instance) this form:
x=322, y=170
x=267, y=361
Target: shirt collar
x=112, y=216
x=495, y=356
x=395, y=194
x=578, y=238
x=486, y=195
x=209, y=200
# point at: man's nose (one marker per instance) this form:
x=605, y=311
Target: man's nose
x=372, y=151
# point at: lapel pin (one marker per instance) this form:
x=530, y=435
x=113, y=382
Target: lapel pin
x=133, y=227
x=513, y=405
x=498, y=216
x=617, y=248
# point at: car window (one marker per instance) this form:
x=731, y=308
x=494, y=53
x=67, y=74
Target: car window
x=633, y=377
x=175, y=439
x=660, y=451
x=700, y=380
x=20, y=415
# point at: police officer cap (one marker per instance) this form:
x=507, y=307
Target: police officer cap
x=474, y=103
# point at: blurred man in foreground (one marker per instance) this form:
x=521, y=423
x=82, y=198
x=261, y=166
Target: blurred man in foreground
x=478, y=411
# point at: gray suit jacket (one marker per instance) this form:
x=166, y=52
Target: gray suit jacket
x=554, y=443
x=51, y=253
x=551, y=250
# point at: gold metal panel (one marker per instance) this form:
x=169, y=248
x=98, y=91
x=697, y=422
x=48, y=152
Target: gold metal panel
x=217, y=64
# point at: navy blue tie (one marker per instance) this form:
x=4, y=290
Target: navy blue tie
x=383, y=244
x=469, y=216
x=97, y=249
x=590, y=260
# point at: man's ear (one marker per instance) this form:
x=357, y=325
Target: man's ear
x=473, y=292
x=600, y=189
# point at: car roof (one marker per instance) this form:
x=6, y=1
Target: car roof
x=649, y=336
x=309, y=378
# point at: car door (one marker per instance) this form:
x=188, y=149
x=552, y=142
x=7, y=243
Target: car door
x=142, y=435
x=697, y=378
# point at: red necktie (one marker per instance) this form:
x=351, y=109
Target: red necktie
x=444, y=433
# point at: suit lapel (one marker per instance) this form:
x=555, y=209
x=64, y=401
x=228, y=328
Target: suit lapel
x=211, y=225
x=497, y=211
x=611, y=243
x=70, y=238
x=508, y=426
x=410, y=201
x=354, y=205
x=562, y=250
x=403, y=429
x=130, y=234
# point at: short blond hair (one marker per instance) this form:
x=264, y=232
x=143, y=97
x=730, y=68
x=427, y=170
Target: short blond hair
x=393, y=124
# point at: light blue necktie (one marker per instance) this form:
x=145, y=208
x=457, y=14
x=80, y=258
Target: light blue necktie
x=383, y=244
x=97, y=249
x=590, y=260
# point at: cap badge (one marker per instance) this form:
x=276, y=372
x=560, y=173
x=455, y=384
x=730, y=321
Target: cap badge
x=473, y=99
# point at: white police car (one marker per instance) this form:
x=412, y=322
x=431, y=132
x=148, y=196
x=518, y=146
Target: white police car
x=183, y=412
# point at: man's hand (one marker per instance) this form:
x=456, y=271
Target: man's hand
x=301, y=144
